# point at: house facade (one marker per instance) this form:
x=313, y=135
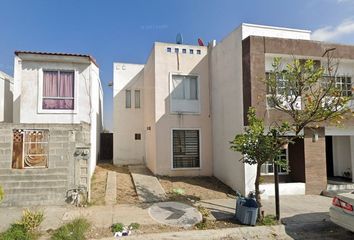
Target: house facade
x=162, y=111
x=52, y=145
x=194, y=99
x=6, y=93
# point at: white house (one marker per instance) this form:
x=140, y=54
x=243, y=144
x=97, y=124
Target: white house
x=59, y=88
x=6, y=89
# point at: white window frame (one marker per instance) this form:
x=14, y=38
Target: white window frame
x=297, y=104
x=196, y=101
x=40, y=108
x=135, y=91
x=279, y=173
x=200, y=149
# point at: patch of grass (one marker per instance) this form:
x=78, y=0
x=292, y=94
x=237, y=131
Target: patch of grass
x=117, y=227
x=74, y=230
x=18, y=232
x=269, y=220
x=134, y=226
x=204, y=211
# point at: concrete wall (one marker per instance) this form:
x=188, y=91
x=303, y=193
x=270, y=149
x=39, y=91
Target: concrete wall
x=149, y=112
x=270, y=31
x=227, y=111
x=341, y=155
x=45, y=186
x=167, y=63
x=88, y=103
x=128, y=121
x=6, y=95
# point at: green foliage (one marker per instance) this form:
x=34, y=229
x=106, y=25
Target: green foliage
x=117, y=227
x=307, y=93
x=257, y=145
x=134, y=226
x=202, y=225
x=1, y=194
x=269, y=220
x=178, y=191
x=74, y=230
x=31, y=220
x=18, y=232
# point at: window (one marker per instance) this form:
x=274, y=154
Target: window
x=344, y=84
x=184, y=94
x=184, y=50
x=176, y=50
x=58, y=90
x=199, y=52
x=128, y=99
x=185, y=148
x=137, y=98
x=137, y=136
x=268, y=168
x=30, y=149
x=191, y=51
x=169, y=49
x=184, y=87
x=283, y=92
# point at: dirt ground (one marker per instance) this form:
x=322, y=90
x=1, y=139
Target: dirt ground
x=125, y=187
x=196, y=188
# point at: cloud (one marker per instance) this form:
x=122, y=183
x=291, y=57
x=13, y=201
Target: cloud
x=329, y=33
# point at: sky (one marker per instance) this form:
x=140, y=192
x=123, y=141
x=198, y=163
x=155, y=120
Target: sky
x=124, y=31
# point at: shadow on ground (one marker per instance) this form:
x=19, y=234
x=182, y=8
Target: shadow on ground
x=314, y=226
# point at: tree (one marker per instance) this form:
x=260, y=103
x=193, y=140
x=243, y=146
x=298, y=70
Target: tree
x=307, y=95
x=259, y=146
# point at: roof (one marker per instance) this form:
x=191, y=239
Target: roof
x=92, y=59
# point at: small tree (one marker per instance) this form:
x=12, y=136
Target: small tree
x=259, y=146
x=308, y=96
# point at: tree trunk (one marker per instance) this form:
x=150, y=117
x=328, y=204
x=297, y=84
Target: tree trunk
x=258, y=195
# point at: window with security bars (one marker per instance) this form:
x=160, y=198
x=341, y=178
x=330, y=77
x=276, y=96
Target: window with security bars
x=342, y=83
x=30, y=148
x=268, y=168
x=186, y=149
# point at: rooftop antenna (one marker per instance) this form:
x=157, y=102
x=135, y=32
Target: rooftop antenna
x=179, y=38
x=200, y=42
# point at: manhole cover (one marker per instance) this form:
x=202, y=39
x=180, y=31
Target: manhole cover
x=175, y=213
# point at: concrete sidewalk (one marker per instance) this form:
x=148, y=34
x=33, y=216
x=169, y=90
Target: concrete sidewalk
x=99, y=216
x=262, y=232
x=147, y=186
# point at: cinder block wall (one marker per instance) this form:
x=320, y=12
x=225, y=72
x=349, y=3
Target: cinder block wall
x=67, y=168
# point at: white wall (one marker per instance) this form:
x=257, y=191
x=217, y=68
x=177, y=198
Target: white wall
x=227, y=110
x=128, y=121
x=6, y=96
x=341, y=154
x=270, y=31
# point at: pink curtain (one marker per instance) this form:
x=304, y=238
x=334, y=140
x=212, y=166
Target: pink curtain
x=50, y=84
x=66, y=84
x=56, y=88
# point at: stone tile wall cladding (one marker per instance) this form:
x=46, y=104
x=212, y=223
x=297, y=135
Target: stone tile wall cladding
x=66, y=169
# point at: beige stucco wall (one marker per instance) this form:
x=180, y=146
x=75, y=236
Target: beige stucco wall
x=128, y=121
x=227, y=110
x=165, y=64
x=6, y=95
x=149, y=112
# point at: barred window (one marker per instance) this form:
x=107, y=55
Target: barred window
x=186, y=149
x=30, y=148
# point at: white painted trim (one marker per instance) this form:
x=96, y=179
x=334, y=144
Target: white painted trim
x=200, y=149
x=40, y=92
x=170, y=91
x=277, y=28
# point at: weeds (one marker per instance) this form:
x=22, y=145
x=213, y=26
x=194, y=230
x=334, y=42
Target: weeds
x=31, y=220
x=117, y=227
x=268, y=220
x=74, y=230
